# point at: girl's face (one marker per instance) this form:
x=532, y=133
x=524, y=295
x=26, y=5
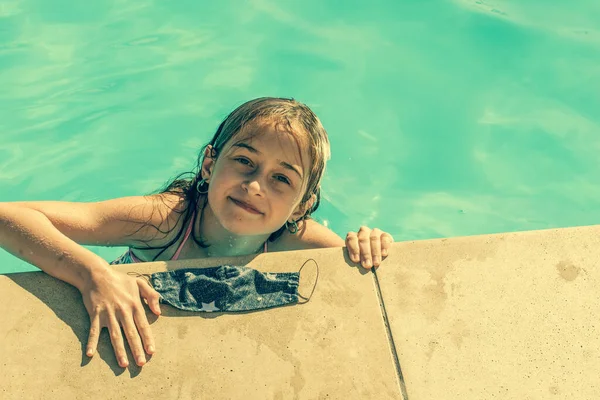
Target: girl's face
x=257, y=181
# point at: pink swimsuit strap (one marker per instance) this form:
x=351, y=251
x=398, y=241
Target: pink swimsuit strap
x=185, y=238
x=176, y=255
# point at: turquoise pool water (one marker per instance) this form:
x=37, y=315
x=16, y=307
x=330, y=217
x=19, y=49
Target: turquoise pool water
x=446, y=118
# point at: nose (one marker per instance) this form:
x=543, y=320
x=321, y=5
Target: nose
x=253, y=187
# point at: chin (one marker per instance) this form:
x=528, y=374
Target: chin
x=242, y=228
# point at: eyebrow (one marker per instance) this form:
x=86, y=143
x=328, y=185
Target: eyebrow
x=282, y=163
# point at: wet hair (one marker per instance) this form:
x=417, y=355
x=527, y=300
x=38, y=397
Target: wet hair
x=289, y=116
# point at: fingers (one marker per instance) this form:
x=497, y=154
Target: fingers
x=368, y=246
x=94, y=335
x=152, y=297
x=134, y=326
x=115, y=302
x=386, y=243
x=352, y=246
x=143, y=327
x=375, y=242
x=131, y=333
x=133, y=338
x=359, y=247
x=364, y=245
x=116, y=338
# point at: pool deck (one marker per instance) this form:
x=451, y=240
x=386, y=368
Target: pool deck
x=507, y=316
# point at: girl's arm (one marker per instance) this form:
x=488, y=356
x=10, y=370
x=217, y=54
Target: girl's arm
x=29, y=235
x=46, y=234
x=123, y=221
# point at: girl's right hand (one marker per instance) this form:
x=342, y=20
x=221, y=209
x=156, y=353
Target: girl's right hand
x=113, y=300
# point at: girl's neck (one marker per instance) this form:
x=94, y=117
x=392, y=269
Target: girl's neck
x=223, y=243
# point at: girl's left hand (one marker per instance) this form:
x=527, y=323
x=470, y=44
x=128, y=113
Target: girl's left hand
x=368, y=246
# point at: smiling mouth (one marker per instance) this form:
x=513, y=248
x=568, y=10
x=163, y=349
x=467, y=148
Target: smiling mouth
x=245, y=206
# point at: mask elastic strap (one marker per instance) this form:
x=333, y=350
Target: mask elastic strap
x=316, y=280
x=146, y=277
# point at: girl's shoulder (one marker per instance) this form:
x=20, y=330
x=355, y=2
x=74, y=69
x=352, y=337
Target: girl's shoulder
x=311, y=235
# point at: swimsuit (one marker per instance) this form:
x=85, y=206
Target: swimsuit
x=129, y=258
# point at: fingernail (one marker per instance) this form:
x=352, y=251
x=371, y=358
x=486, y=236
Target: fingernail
x=141, y=361
x=376, y=260
x=151, y=349
x=123, y=362
x=384, y=253
x=90, y=352
x=367, y=263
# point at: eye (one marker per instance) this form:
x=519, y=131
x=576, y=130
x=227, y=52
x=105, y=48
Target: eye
x=283, y=178
x=243, y=160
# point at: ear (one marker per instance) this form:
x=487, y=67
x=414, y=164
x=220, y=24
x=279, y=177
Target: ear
x=208, y=163
x=303, y=207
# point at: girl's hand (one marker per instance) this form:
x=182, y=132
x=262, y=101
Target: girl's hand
x=113, y=300
x=368, y=246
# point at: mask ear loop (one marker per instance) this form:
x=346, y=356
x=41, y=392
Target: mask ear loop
x=146, y=277
x=316, y=280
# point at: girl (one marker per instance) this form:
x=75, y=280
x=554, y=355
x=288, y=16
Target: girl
x=256, y=185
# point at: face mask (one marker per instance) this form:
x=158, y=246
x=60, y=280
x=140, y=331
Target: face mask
x=228, y=288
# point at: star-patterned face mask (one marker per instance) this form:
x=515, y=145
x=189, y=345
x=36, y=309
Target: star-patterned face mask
x=227, y=288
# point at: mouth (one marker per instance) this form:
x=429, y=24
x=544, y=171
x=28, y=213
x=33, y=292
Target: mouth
x=245, y=206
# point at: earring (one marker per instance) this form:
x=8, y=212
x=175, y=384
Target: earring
x=291, y=227
x=199, y=184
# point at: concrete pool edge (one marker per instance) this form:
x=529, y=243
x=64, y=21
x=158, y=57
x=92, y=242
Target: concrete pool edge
x=340, y=324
